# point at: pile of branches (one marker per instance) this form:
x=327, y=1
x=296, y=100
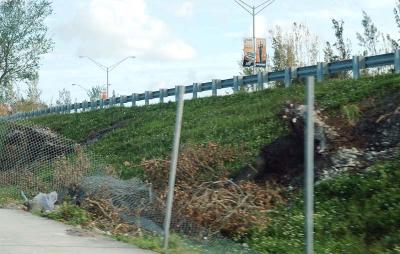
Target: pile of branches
x=205, y=195
x=107, y=218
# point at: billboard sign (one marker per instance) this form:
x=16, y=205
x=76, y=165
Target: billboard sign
x=261, y=52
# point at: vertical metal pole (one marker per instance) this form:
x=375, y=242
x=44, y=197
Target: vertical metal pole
x=309, y=168
x=288, y=77
x=195, y=90
x=356, y=67
x=174, y=163
x=254, y=40
x=108, y=95
x=134, y=99
x=320, y=71
x=397, y=61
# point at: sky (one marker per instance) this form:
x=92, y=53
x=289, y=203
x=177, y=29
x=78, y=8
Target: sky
x=176, y=42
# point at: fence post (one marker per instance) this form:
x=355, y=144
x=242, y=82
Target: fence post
x=216, y=84
x=288, y=77
x=174, y=161
x=122, y=100
x=397, y=61
x=84, y=106
x=358, y=64
x=309, y=167
x=76, y=107
x=162, y=94
x=195, y=90
x=147, y=98
x=134, y=99
x=321, y=71
x=260, y=81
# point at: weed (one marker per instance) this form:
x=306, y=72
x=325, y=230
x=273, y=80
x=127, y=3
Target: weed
x=70, y=214
x=352, y=113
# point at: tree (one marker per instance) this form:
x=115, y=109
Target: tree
x=23, y=38
x=370, y=37
x=64, y=97
x=396, y=11
x=95, y=93
x=33, y=92
x=343, y=48
x=329, y=55
x=297, y=47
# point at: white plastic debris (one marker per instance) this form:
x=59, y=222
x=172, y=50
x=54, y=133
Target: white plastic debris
x=43, y=202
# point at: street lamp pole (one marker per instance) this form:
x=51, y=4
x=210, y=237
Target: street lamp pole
x=108, y=69
x=254, y=11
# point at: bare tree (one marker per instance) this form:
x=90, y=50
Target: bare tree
x=64, y=97
x=297, y=47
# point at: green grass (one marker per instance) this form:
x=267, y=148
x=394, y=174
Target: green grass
x=354, y=213
x=9, y=194
x=176, y=244
x=69, y=214
x=246, y=121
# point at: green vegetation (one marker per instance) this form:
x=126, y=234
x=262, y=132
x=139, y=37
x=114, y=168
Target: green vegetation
x=246, y=121
x=8, y=194
x=70, y=214
x=176, y=244
x=354, y=213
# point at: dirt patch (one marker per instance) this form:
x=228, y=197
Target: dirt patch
x=93, y=137
x=339, y=145
x=380, y=125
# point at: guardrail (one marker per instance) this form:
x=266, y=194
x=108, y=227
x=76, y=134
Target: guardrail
x=320, y=71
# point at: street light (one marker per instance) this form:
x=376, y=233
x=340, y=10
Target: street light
x=254, y=11
x=108, y=69
x=86, y=90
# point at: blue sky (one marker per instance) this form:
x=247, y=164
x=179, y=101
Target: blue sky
x=176, y=42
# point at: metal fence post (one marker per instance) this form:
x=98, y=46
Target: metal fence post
x=75, y=107
x=288, y=77
x=162, y=94
x=397, y=61
x=216, y=84
x=309, y=168
x=321, y=71
x=147, y=98
x=266, y=78
x=84, y=106
x=122, y=100
x=195, y=90
x=235, y=84
x=356, y=67
x=260, y=81
x=176, y=94
x=134, y=99
x=174, y=162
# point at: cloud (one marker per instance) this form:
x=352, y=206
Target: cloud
x=106, y=28
x=185, y=9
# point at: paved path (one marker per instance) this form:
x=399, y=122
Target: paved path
x=24, y=233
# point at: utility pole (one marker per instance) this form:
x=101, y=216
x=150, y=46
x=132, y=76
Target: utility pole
x=108, y=69
x=254, y=11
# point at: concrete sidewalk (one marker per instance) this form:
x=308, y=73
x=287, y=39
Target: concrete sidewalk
x=24, y=233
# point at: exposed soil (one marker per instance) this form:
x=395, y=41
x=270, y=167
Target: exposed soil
x=93, y=137
x=339, y=145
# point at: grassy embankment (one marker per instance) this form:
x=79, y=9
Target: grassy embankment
x=355, y=213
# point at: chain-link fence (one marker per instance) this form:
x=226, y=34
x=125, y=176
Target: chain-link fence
x=34, y=159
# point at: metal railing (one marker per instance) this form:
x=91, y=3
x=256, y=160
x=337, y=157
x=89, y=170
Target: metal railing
x=320, y=71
